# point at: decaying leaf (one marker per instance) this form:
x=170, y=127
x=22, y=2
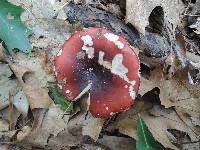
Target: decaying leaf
x=84, y=124
x=8, y=134
x=56, y=131
x=64, y=139
x=48, y=33
x=117, y=143
x=158, y=125
x=4, y=125
x=21, y=103
x=36, y=8
x=138, y=12
x=11, y=115
x=25, y=131
x=175, y=91
x=7, y=85
x=52, y=125
x=32, y=75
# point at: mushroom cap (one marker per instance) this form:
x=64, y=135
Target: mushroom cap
x=98, y=61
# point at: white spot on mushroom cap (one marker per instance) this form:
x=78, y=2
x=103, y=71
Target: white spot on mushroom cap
x=87, y=43
x=89, y=51
x=106, y=108
x=119, y=69
x=87, y=39
x=67, y=91
x=114, y=38
x=102, y=62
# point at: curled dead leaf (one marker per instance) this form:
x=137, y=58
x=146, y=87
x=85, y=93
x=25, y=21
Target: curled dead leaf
x=32, y=76
x=158, y=125
x=138, y=12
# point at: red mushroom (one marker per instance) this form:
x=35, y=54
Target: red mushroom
x=98, y=61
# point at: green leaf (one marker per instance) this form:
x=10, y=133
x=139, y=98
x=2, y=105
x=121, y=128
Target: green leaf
x=12, y=31
x=59, y=98
x=145, y=140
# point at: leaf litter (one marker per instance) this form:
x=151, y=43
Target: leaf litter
x=173, y=120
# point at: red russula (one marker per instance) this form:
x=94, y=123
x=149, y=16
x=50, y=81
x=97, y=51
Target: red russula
x=98, y=61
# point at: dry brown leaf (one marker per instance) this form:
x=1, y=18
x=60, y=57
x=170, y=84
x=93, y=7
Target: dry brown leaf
x=79, y=126
x=11, y=115
x=4, y=126
x=175, y=91
x=9, y=134
x=49, y=33
x=92, y=127
x=91, y=147
x=188, y=120
x=40, y=9
x=196, y=121
x=83, y=123
x=4, y=147
x=7, y=85
x=52, y=125
x=21, y=103
x=138, y=12
x=64, y=139
x=25, y=131
x=32, y=76
x=158, y=125
x=118, y=143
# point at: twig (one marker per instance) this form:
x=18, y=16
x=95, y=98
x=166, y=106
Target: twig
x=11, y=123
x=190, y=142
